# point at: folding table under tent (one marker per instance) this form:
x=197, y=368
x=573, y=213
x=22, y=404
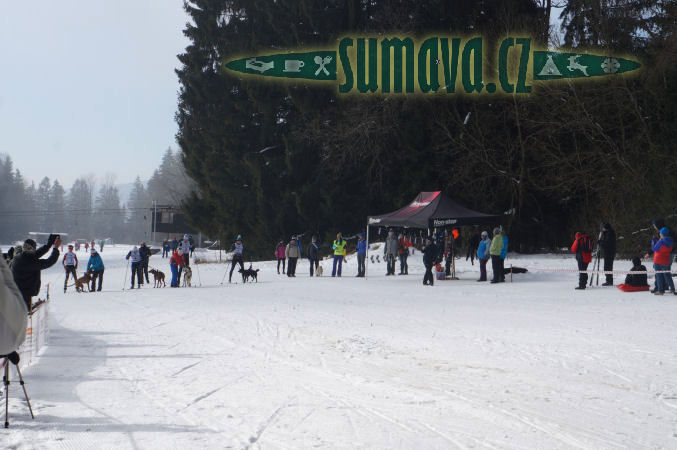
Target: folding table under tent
x=430, y=210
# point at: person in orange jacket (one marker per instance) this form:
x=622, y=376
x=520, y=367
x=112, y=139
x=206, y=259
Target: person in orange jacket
x=403, y=245
x=582, y=247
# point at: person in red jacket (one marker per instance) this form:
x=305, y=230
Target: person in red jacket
x=403, y=245
x=176, y=264
x=582, y=247
x=662, y=261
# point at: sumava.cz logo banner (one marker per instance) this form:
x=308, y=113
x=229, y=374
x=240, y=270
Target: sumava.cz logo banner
x=434, y=65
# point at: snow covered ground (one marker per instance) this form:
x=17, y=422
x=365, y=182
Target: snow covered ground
x=351, y=363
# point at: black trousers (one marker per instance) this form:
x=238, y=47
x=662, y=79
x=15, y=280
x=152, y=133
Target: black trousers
x=496, y=268
x=97, y=274
x=314, y=263
x=70, y=270
x=502, y=272
x=144, y=268
x=361, y=269
x=582, y=277
x=404, y=267
x=609, y=266
x=237, y=259
x=390, y=260
x=291, y=267
x=280, y=260
x=471, y=255
x=483, y=269
x=138, y=273
x=428, y=278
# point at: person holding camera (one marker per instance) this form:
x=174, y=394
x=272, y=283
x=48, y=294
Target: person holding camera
x=26, y=267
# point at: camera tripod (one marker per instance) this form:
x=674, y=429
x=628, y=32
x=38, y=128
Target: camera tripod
x=14, y=359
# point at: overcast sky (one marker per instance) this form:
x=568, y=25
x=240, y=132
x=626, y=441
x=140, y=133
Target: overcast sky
x=89, y=86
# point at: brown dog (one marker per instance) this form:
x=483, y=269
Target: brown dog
x=83, y=281
x=159, y=278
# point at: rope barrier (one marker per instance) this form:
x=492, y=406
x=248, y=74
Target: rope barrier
x=603, y=272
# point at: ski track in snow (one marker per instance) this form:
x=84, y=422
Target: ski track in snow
x=352, y=364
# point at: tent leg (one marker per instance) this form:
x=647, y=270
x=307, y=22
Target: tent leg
x=366, y=258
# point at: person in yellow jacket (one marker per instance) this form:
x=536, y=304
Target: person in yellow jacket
x=339, y=247
x=495, y=252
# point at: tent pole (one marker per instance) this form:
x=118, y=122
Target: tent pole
x=366, y=257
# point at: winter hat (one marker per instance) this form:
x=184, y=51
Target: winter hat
x=363, y=234
x=134, y=249
x=485, y=234
x=665, y=231
x=29, y=246
x=239, y=237
x=497, y=231
x=93, y=251
x=185, y=236
x=636, y=261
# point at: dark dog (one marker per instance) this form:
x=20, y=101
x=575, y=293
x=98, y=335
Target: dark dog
x=247, y=273
x=507, y=270
x=159, y=278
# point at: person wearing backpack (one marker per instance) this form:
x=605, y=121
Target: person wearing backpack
x=483, y=254
x=280, y=251
x=582, y=247
x=314, y=255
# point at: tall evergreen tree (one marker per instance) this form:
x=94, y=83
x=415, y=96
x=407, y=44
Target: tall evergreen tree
x=57, y=204
x=139, y=204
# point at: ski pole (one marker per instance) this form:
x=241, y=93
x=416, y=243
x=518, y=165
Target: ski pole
x=125, y=280
x=197, y=266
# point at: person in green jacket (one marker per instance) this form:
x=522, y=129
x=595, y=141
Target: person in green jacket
x=495, y=252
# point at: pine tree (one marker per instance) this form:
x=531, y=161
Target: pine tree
x=139, y=204
x=109, y=216
x=57, y=204
x=80, y=203
x=43, y=205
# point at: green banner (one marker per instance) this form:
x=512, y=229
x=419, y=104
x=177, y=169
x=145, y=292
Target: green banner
x=555, y=65
x=320, y=65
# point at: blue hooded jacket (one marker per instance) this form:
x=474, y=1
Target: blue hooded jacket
x=362, y=247
x=95, y=263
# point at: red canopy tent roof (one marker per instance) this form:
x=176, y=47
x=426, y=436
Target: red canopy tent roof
x=432, y=210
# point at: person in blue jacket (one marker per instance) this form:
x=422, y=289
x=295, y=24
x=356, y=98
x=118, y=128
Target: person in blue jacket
x=504, y=253
x=361, y=254
x=95, y=264
x=483, y=255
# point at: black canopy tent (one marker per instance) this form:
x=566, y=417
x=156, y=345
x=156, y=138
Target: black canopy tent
x=431, y=210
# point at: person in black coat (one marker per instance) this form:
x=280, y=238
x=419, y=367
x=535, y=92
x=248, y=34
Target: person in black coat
x=313, y=255
x=473, y=244
x=144, y=251
x=430, y=257
x=637, y=279
x=27, y=265
x=607, y=243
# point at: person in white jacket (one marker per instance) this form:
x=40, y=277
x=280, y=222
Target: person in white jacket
x=13, y=312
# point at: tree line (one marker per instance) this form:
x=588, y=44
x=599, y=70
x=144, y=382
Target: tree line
x=91, y=208
x=274, y=159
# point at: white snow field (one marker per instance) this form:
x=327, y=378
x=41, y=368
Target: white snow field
x=349, y=363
